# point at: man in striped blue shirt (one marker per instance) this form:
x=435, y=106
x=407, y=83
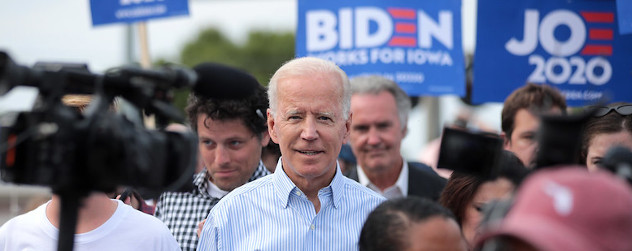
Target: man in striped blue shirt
x=307, y=204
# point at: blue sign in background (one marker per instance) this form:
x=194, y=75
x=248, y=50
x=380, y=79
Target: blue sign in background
x=624, y=12
x=436, y=68
x=600, y=68
x=131, y=11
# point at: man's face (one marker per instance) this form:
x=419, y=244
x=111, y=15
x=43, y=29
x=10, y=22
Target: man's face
x=376, y=132
x=229, y=150
x=309, y=126
x=523, y=139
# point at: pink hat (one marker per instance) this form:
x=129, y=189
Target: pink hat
x=569, y=209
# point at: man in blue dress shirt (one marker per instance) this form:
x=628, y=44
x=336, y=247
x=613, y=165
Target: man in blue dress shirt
x=307, y=204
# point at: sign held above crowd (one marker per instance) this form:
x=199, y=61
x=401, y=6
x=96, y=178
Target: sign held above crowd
x=131, y=11
x=574, y=46
x=415, y=43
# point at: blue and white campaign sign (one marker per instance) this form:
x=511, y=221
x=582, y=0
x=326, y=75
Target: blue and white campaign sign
x=624, y=14
x=130, y=11
x=415, y=43
x=571, y=45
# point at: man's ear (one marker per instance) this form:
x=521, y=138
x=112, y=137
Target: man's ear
x=265, y=138
x=271, y=124
x=506, y=140
x=348, y=127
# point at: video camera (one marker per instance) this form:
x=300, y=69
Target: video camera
x=474, y=153
x=97, y=149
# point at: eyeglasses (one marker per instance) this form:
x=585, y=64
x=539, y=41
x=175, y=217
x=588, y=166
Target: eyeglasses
x=624, y=110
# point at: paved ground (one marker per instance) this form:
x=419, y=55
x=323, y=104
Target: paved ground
x=15, y=199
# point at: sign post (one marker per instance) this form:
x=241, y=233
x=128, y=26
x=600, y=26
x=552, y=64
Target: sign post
x=145, y=59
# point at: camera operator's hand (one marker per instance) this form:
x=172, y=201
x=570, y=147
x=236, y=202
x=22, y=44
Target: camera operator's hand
x=129, y=200
x=130, y=197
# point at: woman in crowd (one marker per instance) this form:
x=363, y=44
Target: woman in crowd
x=610, y=126
x=466, y=194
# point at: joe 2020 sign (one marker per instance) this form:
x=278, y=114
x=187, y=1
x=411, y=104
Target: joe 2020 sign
x=574, y=46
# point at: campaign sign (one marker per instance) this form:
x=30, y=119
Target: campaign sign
x=130, y=11
x=624, y=12
x=571, y=45
x=415, y=43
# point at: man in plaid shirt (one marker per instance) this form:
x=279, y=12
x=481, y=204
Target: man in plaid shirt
x=230, y=122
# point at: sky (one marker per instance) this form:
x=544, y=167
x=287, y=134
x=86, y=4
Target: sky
x=61, y=30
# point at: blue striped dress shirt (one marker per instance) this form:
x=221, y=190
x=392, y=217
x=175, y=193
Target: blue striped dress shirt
x=271, y=213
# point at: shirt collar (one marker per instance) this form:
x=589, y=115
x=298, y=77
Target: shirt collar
x=285, y=186
x=401, y=183
x=214, y=191
x=202, y=180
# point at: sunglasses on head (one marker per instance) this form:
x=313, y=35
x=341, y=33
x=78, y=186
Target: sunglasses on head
x=620, y=109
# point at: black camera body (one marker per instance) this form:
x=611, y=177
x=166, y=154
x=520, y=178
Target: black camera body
x=65, y=152
x=96, y=150
x=475, y=153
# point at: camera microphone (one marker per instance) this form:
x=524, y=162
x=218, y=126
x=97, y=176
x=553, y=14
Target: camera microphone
x=12, y=74
x=166, y=77
x=77, y=79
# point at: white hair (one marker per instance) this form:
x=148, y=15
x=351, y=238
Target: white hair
x=310, y=66
x=374, y=84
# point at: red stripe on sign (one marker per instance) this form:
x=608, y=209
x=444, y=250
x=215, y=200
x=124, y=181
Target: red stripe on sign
x=403, y=41
x=600, y=34
x=405, y=28
x=598, y=17
x=402, y=13
x=11, y=154
x=597, y=50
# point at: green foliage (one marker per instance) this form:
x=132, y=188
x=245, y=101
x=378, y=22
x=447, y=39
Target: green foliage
x=265, y=52
x=210, y=45
x=261, y=55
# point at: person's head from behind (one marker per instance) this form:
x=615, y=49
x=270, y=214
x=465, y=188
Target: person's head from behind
x=610, y=126
x=79, y=103
x=380, y=114
x=309, y=117
x=231, y=129
x=565, y=208
x=520, y=118
x=411, y=223
x=466, y=195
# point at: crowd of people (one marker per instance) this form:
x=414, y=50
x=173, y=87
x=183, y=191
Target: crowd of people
x=313, y=162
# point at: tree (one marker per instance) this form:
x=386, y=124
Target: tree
x=261, y=55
